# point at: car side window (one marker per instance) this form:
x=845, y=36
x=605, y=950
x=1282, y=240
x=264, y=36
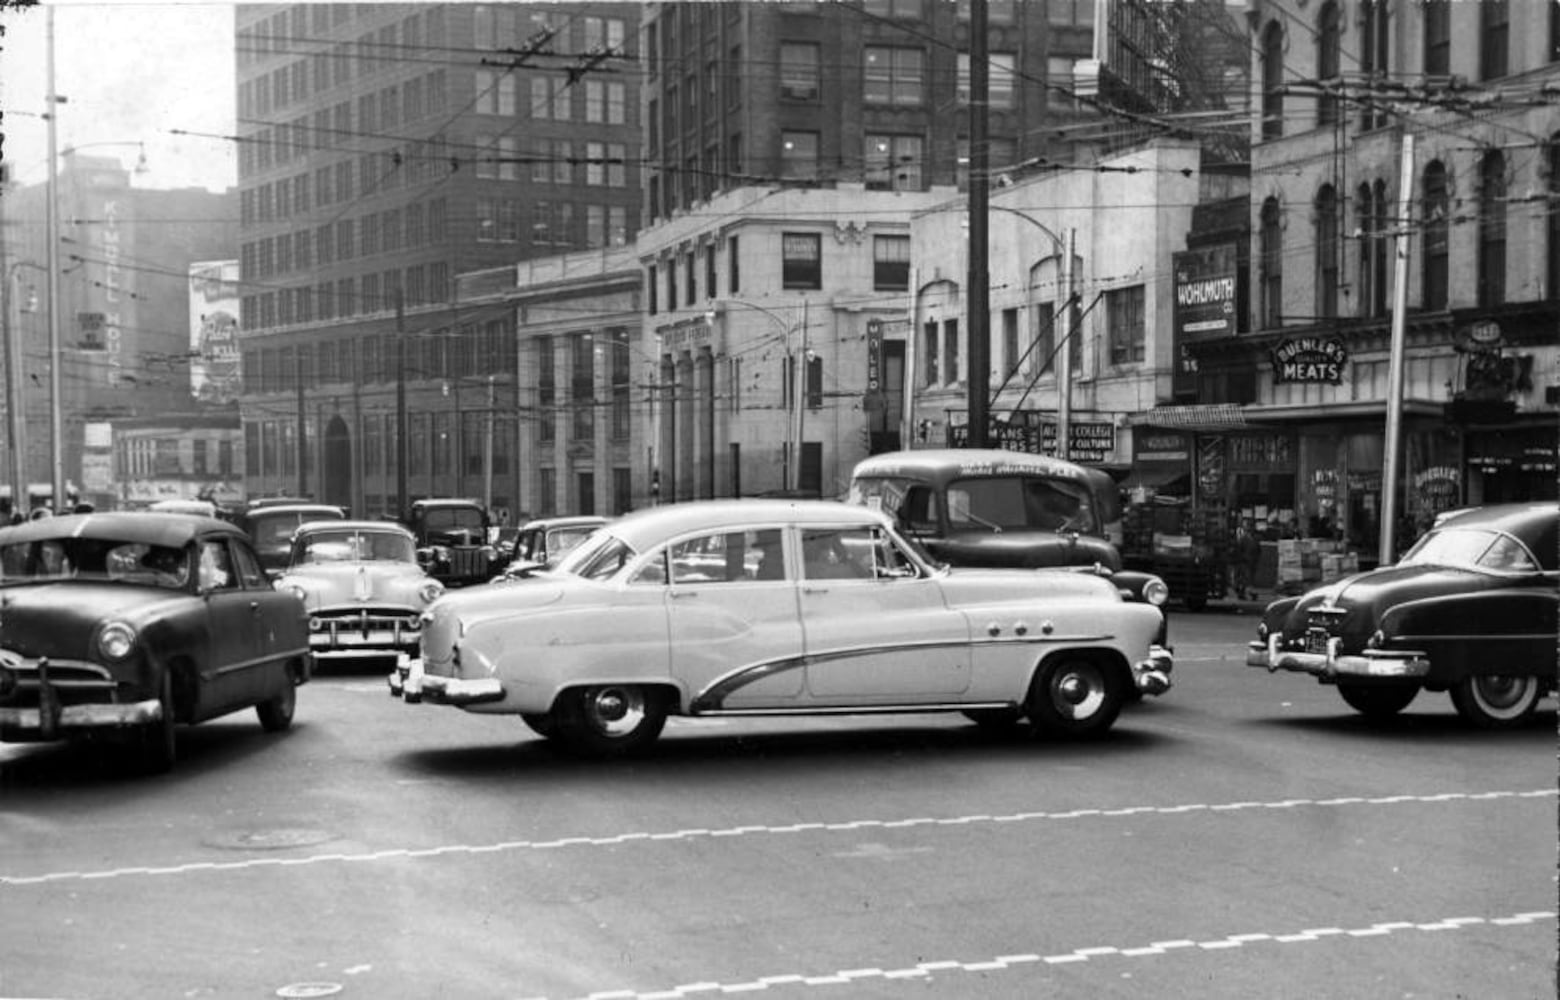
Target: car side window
x=918, y=512
x=216, y=569
x=1509, y=555
x=889, y=560
x=247, y=565
x=837, y=553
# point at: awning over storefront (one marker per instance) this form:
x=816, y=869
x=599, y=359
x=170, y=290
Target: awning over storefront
x=1201, y=417
x=1154, y=476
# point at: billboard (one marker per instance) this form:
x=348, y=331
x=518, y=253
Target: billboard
x=215, y=372
x=1205, y=290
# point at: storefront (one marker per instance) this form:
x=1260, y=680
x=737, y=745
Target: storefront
x=1512, y=464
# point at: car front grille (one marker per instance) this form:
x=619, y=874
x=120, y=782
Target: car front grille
x=73, y=682
x=467, y=562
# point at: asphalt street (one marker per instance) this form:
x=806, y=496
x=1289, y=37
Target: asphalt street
x=1246, y=835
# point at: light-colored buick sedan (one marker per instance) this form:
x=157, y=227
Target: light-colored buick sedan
x=780, y=607
x=361, y=586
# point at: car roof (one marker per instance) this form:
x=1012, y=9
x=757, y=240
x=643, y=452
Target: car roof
x=953, y=463
x=1536, y=524
x=151, y=527
x=387, y=527
x=563, y=522
x=445, y=502
x=294, y=509
x=652, y=525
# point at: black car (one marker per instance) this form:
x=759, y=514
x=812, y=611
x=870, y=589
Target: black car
x=452, y=540
x=539, y=544
x=1471, y=609
x=270, y=527
x=128, y=623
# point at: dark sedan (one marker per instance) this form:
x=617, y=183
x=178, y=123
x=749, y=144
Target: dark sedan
x=128, y=623
x=1471, y=609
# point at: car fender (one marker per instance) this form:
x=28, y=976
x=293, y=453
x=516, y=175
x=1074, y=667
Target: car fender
x=1484, y=632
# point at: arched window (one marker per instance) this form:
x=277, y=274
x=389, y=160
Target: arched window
x=1378, y=300
x=1492, y=229
x=1437, y=206
x=1328, y=30
x=1326, y=252
x=1272, y=80
x=1375, y=45
x=1365, y=227
x=1271, y=265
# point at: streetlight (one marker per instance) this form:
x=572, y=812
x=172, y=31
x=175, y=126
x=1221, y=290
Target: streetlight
x=796, y=371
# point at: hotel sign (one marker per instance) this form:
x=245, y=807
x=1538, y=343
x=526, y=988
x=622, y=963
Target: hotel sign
x=1309, y=359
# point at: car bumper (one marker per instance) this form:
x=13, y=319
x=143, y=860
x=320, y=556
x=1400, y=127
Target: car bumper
x=1152, y=675
x=1378, y=664
x=409, y=683
x=52, y=720
x=355, y=644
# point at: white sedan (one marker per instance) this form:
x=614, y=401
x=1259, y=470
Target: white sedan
x=362, y=587
x=778, y=607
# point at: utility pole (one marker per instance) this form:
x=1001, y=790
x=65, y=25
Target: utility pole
x=487, y=446
x=404, y=509
x=1390, y=468
x=1064, y=372
x=978, y=296
x=799, y=402
x=56, y=418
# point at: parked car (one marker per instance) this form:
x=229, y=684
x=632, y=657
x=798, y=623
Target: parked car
x=270, y=528
x=1470, y=609
x=362, y=587
x=452, y=540
x=759, y=607
x=128, y=623
x=541, y=543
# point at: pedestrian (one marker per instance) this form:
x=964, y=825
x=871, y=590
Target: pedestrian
x=1248, y=551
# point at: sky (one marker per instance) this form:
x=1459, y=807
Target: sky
x=131, y=73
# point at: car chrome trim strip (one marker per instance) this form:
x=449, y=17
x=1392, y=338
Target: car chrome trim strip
x=137, y=713
x=1334, y=664
x=873, y=709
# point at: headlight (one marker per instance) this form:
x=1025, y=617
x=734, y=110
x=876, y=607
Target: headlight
x=297, y=591
x=116, y=640
x=1155, y=592
x=430, y=591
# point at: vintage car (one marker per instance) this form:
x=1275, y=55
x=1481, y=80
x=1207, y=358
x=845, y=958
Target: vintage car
x=127, y=623
x=452, y=540
x=270, y=527
x=362, y=587
x=541, y=543
x=1470, y=609
x=767, y=607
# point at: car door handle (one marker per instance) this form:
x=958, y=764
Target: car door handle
x=254, y=607
x=815, y=590
x=679, y=594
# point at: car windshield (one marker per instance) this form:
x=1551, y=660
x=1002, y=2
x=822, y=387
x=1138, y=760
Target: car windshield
x=345, y=546
x=95, y=559
x=560, y=541
x=599, y=557
x=1472, y=548
x=445, y=518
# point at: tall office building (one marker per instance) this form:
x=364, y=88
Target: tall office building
x=385, y=149
x=787, y=146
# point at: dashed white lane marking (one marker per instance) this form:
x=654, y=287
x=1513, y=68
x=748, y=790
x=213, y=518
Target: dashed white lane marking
x=848, y=826
x=1004, y=963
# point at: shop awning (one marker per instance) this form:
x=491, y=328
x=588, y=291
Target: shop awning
x=1201, y=417
x=1153, y=476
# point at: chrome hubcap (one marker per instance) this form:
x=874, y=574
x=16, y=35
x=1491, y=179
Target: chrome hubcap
x=1079, y=693
x=615, y=711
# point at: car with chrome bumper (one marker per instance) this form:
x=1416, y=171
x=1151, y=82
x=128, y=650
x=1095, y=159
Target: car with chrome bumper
x=125, y=624
x=362, y=587
x=541, y=543
x=1470, y=609
x=780, y=608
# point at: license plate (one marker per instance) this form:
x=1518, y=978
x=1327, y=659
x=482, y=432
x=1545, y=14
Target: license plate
x=1316, y=641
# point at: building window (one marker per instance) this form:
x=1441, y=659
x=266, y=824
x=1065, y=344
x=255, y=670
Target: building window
x=799, y=156
x=1000, y=88
x=620, y=374
x=1273, y=80
x=1328, y=36
x=1271, y=263
x=899, y=10
x=801, y=260
x=1438, y=37
x=1042, y=337
x=893, y=76
x=582, y=388
x=690, y=279
x=1494, y=38
x=799, y=71
x=709, y=270
x=1326, y=252
x=1009, y=343
x=950, y=351
x=1553, y=290
x=733, y=266
x=1371, y=220
x=891, y=263
x=929, y=352
x=1492, y=229
x=546, y=389
x=1375, y=48
x=893, y=162
x=651, y=290
x=1124, y=313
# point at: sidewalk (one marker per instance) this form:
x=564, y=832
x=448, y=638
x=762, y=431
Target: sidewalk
x=1229, y=604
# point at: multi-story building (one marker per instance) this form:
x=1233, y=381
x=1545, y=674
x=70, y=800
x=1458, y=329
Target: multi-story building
x=1432, y=123
x=123, y=258
x=787, y=146
x=386, y=149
